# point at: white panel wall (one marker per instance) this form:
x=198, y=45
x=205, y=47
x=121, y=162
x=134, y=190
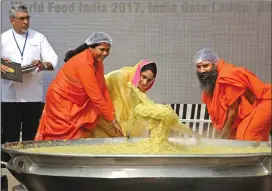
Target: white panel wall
x=166, y=31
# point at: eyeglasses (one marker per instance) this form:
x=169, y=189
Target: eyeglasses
x=22, y=18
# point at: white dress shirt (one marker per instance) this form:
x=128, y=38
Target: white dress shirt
x=36, y=48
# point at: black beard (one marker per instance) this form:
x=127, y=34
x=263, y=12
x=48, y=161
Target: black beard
x=208, y=80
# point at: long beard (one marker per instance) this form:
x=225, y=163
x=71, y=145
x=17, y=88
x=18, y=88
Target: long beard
x=208, y=80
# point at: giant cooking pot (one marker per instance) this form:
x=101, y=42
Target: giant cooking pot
x=65, y=172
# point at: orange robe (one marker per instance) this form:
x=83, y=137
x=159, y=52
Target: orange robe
x=253, y=121
x=75, y=100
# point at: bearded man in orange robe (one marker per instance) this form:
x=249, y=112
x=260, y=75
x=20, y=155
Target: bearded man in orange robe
x=238, y=102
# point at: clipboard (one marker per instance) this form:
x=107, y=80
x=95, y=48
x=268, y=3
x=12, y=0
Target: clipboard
x=15, y=71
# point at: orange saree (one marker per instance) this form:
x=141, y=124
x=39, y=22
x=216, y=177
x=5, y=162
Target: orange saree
x=75, y=100
x=254, y=119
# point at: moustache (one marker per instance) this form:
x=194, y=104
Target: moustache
x=210, y=75
x=203, y=75
x=208, y=80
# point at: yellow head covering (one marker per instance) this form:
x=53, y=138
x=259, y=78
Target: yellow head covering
x=122, y=100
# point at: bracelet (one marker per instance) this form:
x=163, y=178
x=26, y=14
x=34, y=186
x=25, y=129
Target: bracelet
x=114, y=121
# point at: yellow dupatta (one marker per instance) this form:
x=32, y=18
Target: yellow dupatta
x=129, y=103
x=117, y=84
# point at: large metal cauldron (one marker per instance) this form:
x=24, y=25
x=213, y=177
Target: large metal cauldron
x=65, y=172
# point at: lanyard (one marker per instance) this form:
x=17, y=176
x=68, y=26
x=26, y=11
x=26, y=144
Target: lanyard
x=21, y=52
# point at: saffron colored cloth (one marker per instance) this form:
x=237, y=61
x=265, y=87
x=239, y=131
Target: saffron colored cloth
x=75, y=100
x=253, y=121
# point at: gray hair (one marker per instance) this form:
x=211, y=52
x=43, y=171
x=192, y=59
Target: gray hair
x=17, y=8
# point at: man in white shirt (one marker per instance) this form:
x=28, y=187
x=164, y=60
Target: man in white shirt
x=21, y=103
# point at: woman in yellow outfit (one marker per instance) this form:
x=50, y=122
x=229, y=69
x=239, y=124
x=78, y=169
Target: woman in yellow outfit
x=141, y=76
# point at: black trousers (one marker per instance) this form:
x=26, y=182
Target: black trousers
x=17, y=117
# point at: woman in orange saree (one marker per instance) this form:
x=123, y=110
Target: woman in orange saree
x=78, y=96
